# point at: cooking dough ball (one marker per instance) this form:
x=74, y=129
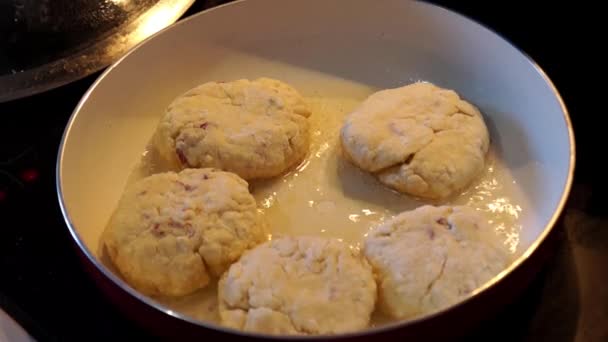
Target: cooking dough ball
x=432, y=257
x=256, y=129
x=298, y=285
x=171, y=231
x=418, y=139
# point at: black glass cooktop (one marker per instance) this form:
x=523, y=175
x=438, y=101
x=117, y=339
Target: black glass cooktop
x=43, y=286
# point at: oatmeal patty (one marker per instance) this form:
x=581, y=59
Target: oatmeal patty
x=171, y=231
x=430, y=258
x=418, y=139
x=298, y=285
x=256, y=129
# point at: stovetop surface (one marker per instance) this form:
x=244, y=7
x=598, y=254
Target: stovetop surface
x=43, y=286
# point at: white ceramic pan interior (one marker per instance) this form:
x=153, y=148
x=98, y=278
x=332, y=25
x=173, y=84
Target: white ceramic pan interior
x=339, y=49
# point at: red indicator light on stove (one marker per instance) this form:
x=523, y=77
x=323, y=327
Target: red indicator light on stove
x=29, y=175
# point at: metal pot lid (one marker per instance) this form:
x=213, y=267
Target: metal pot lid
x=48, y=43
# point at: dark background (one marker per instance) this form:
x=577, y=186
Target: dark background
x=44, y=288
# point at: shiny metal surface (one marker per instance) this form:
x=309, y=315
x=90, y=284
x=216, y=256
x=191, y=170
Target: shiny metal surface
x=45, y=44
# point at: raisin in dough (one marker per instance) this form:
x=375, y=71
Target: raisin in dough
x=256, y=129
x=418, y=139
x=298, y=285
x=172, y=231
x=430, y=258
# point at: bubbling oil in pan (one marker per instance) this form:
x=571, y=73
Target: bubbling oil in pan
x=327, y=196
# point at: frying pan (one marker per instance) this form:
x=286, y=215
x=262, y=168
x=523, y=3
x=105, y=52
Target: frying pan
x=317, y=45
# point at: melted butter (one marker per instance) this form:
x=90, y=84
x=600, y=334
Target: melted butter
x=497, y=195
x=327, y=196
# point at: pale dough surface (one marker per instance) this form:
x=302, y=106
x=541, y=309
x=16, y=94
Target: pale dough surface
x=430, y=258
x=418, y=139
x=171, y=231
x=256, y=129
x=298, y=285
